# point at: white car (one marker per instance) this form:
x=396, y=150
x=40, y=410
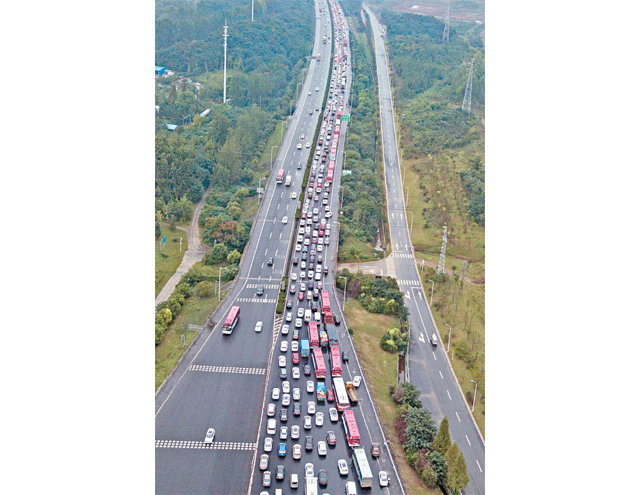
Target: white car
x=264, y=461
x=285, y=220
x=295, y=432
x=284, y=345
x=282, y=361
x=310, y=386
x=311, y=407
x=295, y=346
x=320, y=419
x=286, y=400
x=343, y=468
x=259, y=326
x=300, y=312
x=384, y=478
x=322, y=448
x=308, y=470
x=303, y=265
x=271, y=426
x=271, y=410
x=303, y=275
x=296, y=394
x=317, y=88
x=328, y=214
x=289, y=317
x=211, y=433
x=285, y=329
x=286, y=387
x=294, y=277
x=268, y=444
x=333, y=415
x=298, y=248
x=284, y=432
x=299, y=146
x=319, y=248
x=298, y=325
x=307, y=423
x=295, y=373
x=357, y=380
x=294, y=195
x=275, y=394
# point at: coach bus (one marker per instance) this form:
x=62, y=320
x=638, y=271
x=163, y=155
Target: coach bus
x=363, y=470
x=351, y=428
x=318, y=363
x=231, y=321
x=342, y=399
x=336, y=363
x=326, y=303
x=314, y=339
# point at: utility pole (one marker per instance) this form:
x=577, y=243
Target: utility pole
x=224, y=84
x=466, y=103
x=443, y=251
x=252, y=10
x=445, y=34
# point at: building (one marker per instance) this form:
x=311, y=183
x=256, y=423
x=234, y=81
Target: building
x=160, y=70
x=172, y=127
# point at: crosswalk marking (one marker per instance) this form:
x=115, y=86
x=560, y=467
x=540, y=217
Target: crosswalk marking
x=193, y=444
x=226, y=369
x=396, y=254
x=265, y=286
x=409, y=282
x=256, y=300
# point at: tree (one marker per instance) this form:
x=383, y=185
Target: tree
x=442, y=441
x=420, y=429
x=158, y=231
x=436, y=459
x=390, y=307
x=407, y=393
x=234, y=257
x=217, y=255
x=457, y=477
x=205, y=289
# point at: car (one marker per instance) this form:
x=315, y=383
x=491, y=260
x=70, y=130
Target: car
x=308, y=145
x=311, y=407
x=345, y=354
x=296, y=394
x=299, y=166
x=311, y=386
x=383, y=477
x=308, y=443
x=211, y=433
x=284, y=345
x=285, y=220
x=306, y=369
x=264, y=461
x=323, y=479
x=333, y=415
x=270, y=262
x=357, y=380
x=286, y=400
x=300, y=312
x=331, y=438
x=299, y=146
x=303, y=287
x=280, y=471
x=295, y=373
x=298, y=321
x=282, y=361
x=330, y=396
x=317, y=88
x=336, y=320
x=297, y=451
x=260, y=291
x=283, y=432
x=275, y=394
x=328, y=214
x=301, y=136
x=300, y=298
x=268, y=444
x=271, y=426
x=375, y=450
x=298, y=248
x=295, y=347
x=343, y=468
x=271, y=410
x=295, y=432
x=284, y=417
x=289, y=317
x=266, y=479
x=286, y=387
x=283, y=373
x=308, y=470
x=297, y=409
x=306, y=424
x=294, y=195
x=319, y=418
x=296, y=334
x=294, y=277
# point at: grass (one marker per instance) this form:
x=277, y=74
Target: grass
x=167, y=265
x=381, y=371
x=355, y=250
x=195, y=311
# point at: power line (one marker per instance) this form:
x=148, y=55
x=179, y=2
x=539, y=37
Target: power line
x=466, y=103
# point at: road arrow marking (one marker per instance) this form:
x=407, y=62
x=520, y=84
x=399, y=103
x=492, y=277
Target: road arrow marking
x=421, y=339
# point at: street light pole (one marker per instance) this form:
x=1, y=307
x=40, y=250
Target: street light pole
x=341, y=195
x=282, y=131
x=261, y=179
x=271, y=165
x=432, y=283
x=474, y=396
x=406, y=203
x=448, y=341
x=344, y=297
x=411, y=229
x=219, y=275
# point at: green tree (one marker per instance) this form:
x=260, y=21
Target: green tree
x=158, y=230
x=429, y=476
x=457, y=477
x=420, y=429
x=205, y=289
x=216, y=255
x=442, y=441
x=436, y=459
x=234, y=257
x=407, y=393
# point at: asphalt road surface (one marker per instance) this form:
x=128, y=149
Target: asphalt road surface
x=428, y=366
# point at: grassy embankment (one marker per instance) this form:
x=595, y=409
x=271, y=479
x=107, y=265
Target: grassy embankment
x=381, y=371
x=168, y=258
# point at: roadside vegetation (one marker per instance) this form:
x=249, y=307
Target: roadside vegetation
x=169, y=256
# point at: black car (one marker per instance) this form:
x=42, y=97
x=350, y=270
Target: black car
x=280, y=472
x=260, y=291
x=297, y=409
x=314, y=308
x=299, y=165
x=283, y=373
x=306, y=369
x=283, y=416
x=322, y=477
x=345, y=357
x=336, y=320
x=270, y=262
x=308, y=443
x=289, y=304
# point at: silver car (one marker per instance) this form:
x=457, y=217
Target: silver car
x=211, y=433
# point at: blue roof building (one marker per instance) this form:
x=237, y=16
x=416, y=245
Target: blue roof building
x=160, y=70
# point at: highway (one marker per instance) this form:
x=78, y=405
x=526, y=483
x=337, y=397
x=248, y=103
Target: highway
x=222, y=385
x=428, y=366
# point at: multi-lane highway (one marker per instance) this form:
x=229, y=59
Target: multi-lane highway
x=223, y=384
x=428, y=366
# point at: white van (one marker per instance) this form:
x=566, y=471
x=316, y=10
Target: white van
x=350, y=488
x=307, y=315
x=293, y=483
x=279, y=491
x=317, y=317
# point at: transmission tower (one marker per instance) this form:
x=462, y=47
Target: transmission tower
x=445, y=34
x=466, y=103
x=443, y=250
x=224, y=84
x=251, y=10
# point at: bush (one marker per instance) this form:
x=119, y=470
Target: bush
x=234, y=257
x=229, y=274
x=217, y=255
x=429, y=476
x=205, y=289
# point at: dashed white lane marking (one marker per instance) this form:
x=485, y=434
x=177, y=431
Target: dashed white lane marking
x=459, y=421
x=227, y=369
x=434, y=356
x=478, y=465
x=441, y=374
x=256, y=300
x=192, y=444
x=449, y=395
x=467, y=439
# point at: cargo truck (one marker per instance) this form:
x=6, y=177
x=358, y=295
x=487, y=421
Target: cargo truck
x=351, y=392
x=332, y=334
x=304, y=348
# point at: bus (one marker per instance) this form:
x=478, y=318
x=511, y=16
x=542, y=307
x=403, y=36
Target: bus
x=304, y=348
x=342, y=399
x=326, y=303
x=330, y=175
x=351, y=427
x=280, y=176
x=318, y=364
x=363, y=470
x=336, y=363
x=314, y=339
x=231, y=321
x=338, y=116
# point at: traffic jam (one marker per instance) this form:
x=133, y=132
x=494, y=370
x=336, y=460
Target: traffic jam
x=312, y=407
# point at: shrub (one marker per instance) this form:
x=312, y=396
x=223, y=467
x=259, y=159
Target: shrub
x=205, y=289
x=217, y=255
x=429, y=476
x=229, y=274
x=234, y=257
